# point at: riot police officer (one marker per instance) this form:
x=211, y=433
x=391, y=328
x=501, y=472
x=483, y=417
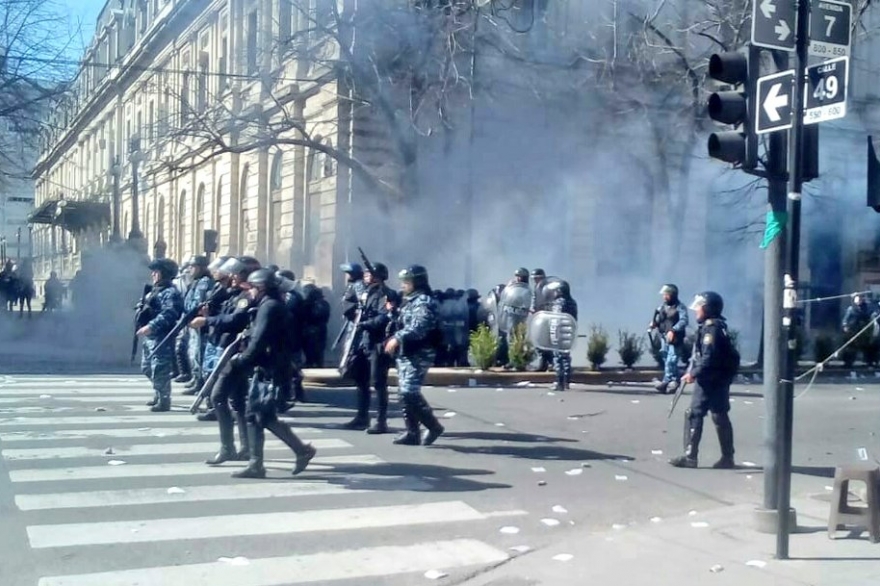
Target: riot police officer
x=295, y=305
x=414, y=341
x=267, y=355
x=369, y=363
x=711, y=373
x=197, y=293
x=316, y=315
x=539, y=281
x=562, y=303
x=354, y=288
x=164, y=307
x=671, y=320
x=857, y=317
x=181, y=364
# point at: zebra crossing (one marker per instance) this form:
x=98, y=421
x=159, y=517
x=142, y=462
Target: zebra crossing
x=118, y=496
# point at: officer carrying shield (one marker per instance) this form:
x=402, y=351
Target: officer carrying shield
x=562, y=303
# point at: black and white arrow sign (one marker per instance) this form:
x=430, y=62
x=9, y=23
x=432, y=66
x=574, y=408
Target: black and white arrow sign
x=772, y=24
x=774, y=100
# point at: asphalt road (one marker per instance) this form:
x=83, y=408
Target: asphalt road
x=518, y=467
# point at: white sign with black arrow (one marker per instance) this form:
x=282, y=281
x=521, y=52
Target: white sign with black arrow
x=773, y=24
x=774, y=101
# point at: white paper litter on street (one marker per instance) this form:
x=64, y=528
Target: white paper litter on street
x=618, y=526
x=539, y=469
x=635, y=401
x=236, y=561
x=692, y=513
x=551, y=394
x=524, y=383
x=699, y=524
x=435, y=574
x=45, y=396
x=520, y=548
x=550, y=522
x=510, y=530
x=750, y=464
x=176, y=490
x=656, y=520
x=863, y=454
x=559, y=509
x=574, y=471
x=829, y=488
x=144, y=428
x=757, y=563
x=115, y=462
x=499, y=425
x=656, y=452
x=716, y=568
x=563, y=557
x=620, y=477
x=449, y=414
x=451, y=391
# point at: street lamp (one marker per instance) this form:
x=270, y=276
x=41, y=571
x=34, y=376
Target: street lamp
x=116, y=171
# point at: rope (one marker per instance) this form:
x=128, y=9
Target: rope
x=820, y=366
x=833, y=297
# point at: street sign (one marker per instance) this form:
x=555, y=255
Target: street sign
x=774, y=101
x=830, y=28
x=773, y=24
x=825, y=91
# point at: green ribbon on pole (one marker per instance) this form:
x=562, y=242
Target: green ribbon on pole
x=774, y=225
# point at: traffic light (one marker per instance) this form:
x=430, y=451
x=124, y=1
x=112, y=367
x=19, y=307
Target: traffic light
x=873, y=177
x=732, y=107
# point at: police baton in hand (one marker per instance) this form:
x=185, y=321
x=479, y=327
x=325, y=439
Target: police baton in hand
x=675, y=399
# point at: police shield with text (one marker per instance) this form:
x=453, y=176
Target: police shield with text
x=712, y=369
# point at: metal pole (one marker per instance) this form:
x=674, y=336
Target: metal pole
x=135, y=158
x=774, y=262
x=790, y=281
x=116, y=236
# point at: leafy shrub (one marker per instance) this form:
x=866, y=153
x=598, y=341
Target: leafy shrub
x=630, y=347
x=520, y=353
x=597, y=346
x=483, y=347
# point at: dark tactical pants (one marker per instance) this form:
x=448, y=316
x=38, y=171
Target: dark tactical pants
x=714, y=399
x=371, y=367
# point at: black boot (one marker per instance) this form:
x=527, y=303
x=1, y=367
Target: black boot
x=255, y=468
x=209, y=415
x=410, y=437
x=154, y=401
x=381, y=425
x=426, y=418
x=244, y=454
x=227, y=437
x=725, y=438
x=693, y=432
x=361, y=421
x=304, y=453
x=164, y=404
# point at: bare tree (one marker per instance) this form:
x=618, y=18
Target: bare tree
x=37, y=43
x=397, y=68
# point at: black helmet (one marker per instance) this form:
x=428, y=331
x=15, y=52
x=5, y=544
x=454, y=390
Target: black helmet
x=380, y=271
x=559, y=288
x=417, y=275
x=287, y=274
x=352, y=268
x=712, y=301
x=669, y=289
x=198, y=261
x=473, y=294
x=217, y=263
x=311, y=291
x=521, y=273
x=250, y=264
x=538, y=273
x=263, y=278
x=166, y=267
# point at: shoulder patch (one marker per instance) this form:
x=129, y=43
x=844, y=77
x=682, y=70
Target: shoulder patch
x=709, y=322
x=708, y=339
x=242, y=303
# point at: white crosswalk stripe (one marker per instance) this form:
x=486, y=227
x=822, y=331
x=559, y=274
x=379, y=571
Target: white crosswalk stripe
x=98, y=479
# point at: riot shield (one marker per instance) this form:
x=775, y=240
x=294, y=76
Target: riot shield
x=552, y=331
x=513, y=306
x=454, y=317
x=489, y=310
x=543, y=297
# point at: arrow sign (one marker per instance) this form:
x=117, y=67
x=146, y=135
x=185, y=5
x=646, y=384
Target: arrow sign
x=782, y=31
x=774, y=100
x=772, y=24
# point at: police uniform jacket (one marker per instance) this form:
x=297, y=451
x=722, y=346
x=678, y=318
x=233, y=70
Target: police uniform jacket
x=375, y=318
x=268, y=346
x=166, y=308
x=232, y=318
x=712, y=348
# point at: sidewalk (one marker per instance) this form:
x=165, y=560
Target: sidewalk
x=717, y=547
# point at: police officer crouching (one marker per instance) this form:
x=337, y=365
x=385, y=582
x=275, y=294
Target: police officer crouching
x=268, y=355
x=369, y=363
x=165, y=306
x=711, y=374
x=414, y=342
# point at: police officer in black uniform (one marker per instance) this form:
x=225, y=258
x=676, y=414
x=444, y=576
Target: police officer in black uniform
x=295, y=305
x=268, y=356
x=562, y=303
x=711, y=375
x=231, y=385
x=370, y=363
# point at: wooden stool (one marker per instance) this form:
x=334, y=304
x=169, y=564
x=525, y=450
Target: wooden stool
x=844, y=514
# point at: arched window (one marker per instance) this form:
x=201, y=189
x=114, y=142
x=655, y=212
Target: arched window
x=329, y=169
x=181, y=226
x=277, y=161
x=315, y=163
x=199, y=213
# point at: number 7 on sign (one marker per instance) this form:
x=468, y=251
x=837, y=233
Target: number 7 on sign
x=831, y=20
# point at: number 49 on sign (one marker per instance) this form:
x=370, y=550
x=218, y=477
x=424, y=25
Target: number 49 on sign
x=826, y=91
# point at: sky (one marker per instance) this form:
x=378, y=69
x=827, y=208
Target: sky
x=85, y=11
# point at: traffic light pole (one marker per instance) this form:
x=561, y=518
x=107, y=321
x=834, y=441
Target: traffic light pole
x=790, y=282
